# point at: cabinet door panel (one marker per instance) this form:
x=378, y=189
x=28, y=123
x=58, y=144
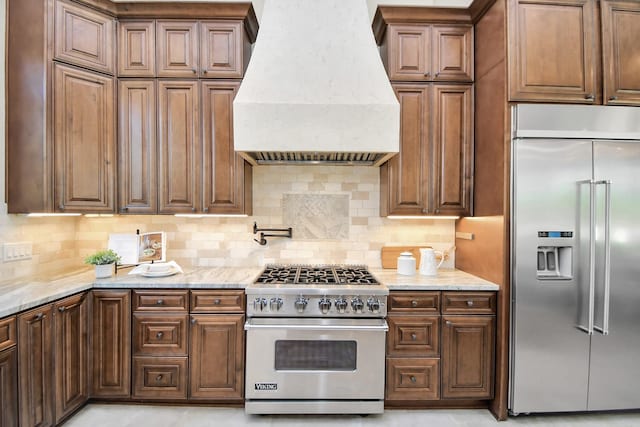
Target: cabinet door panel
x=7, y=333
x=9, y=388
x=453, y=149
x=137, y=49
x=409, y=52
x=552, y=51
x=138, y=170
x=111, y=337
x=177, y=48
x=178, y=138
x=221, y=49
x=620, y=52
x=405, y=175
x=453, y=53
x=84, y=37
x=35, y=375
x=84, y=141
x=467, y=356
x=216, y=358
x=71, y=355
x=224, y=170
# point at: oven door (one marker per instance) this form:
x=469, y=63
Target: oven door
x=328, y=359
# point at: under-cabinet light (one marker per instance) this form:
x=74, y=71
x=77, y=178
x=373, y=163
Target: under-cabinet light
x=42, y=214
x=421, y=217
x=211, y=215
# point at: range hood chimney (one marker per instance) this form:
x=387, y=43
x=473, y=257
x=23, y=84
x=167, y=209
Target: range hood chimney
x=315, y=90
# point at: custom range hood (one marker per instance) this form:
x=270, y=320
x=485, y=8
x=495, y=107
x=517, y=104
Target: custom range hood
x=315, y=90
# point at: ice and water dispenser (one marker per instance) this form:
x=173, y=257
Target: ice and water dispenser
x=554, y=255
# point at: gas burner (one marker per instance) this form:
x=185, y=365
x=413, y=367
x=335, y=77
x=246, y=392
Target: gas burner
x=316, y=274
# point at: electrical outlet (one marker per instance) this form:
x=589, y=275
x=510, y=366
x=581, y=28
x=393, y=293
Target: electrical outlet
x=16, y=251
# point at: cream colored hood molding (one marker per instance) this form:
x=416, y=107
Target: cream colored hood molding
x=315, y=90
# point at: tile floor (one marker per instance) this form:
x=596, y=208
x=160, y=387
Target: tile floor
x=101, y=415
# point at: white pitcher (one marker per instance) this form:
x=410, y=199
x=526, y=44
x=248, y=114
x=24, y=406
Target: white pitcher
x=428, y=264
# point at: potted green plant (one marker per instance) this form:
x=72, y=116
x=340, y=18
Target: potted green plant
x=104, y=261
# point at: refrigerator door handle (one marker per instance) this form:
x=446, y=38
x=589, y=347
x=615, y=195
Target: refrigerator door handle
x=607, y=257
x=592, y=256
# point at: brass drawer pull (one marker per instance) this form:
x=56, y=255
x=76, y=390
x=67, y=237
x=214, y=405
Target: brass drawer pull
x=160, y=302
x=448, y=323
x=414, y=303
x=470, y=303
x=159, y=377
x=414, y=337
x=216, y=301
x=413, y=379
x=159, y=335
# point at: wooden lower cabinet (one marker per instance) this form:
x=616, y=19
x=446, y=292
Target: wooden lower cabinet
x=467, y=357
x=413, y=379
x=111, y=344
x=216, y=357
x=160, y=377
x=440, y=347
x=35, y=367
x=71, y=355
x=9, y=387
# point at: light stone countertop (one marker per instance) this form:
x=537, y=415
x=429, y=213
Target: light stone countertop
x=446, y=280
x=25, y=293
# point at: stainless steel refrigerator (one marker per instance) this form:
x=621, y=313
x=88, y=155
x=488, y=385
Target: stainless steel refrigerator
x=575, y=258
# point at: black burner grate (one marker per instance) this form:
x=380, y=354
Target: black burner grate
x=317, y=274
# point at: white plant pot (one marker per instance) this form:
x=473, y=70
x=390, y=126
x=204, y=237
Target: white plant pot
x=104, y=271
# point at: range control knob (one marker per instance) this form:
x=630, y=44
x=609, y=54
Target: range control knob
x=341, y=305
x=275, y=304
x=357, y=304
x=259, y=304
x=325, y=305
x=374, y=305
x=300, y=304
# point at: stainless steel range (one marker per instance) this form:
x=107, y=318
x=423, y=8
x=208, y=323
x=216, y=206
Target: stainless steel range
x=315, y=340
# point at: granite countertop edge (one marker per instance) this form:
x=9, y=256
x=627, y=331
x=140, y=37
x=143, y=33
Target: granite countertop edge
x=23, y=294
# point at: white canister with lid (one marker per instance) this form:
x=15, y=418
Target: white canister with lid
x=406, y=264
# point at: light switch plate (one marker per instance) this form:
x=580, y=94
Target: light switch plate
x=16, y=251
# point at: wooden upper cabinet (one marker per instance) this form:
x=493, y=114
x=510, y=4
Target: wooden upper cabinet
x=452, y=53
x=621, y=52
x=453, y=149
x=138, y=165
x=35, y=367
x=409, y=52
x=226, y=175
x=404, y=178
x=553, y=55
x=424, y=52
x=84, y=37
x=179, y=146
x=71, y=351
x=84, y=141
x=224, y=52
x=177, y=48
x=136, y=49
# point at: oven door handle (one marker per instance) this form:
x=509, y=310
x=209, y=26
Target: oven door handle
x=249, y=325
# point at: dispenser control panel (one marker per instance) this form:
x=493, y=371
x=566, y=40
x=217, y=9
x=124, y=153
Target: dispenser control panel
x=554, y=261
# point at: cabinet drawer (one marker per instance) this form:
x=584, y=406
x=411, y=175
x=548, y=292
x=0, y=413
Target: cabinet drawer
x=468, y=303
x=217, y=301
x=160, y=334
x=160, y=377
x=412, y=379
x=7, y=333
x=160, y=300
x=413, y=335
x=414, y=302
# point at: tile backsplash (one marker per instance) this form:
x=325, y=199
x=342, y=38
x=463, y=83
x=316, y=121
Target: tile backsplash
x=334, y=212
